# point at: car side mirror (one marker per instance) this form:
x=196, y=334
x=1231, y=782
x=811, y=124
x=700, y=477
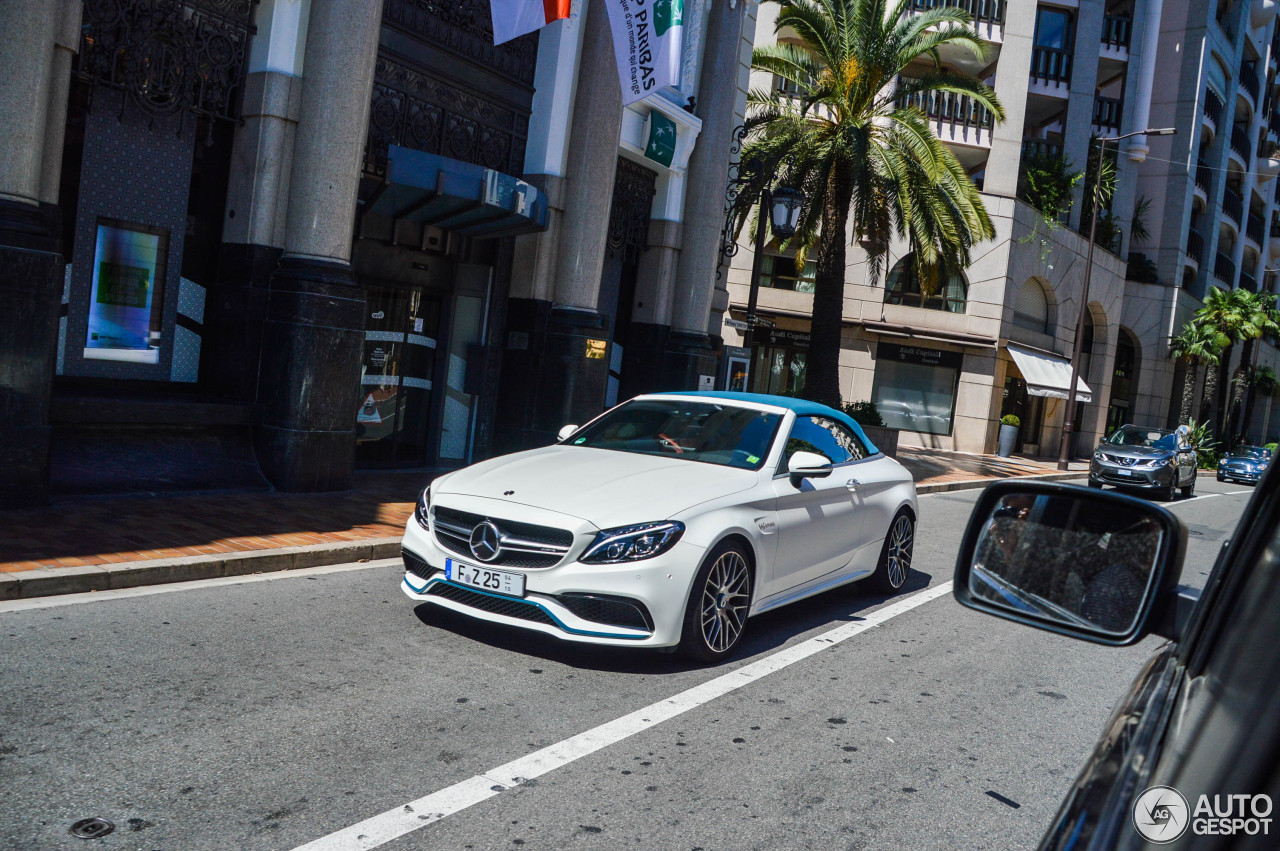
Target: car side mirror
x=565, y=432
x=808, y=465
x=1088, y=564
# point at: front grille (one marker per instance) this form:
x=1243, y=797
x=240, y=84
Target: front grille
x=615, y=611
x=506, y=606
x=1119, y=459
x=536, y=546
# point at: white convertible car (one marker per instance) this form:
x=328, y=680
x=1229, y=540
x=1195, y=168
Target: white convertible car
x=665, y=522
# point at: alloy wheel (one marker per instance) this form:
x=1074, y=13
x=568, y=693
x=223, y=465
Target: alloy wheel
x=901, y=540
x=725, y=598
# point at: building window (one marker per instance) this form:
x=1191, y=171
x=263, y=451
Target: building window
x=946, y=292
x=1031, y=307
x=915, y=388
x=779, y=272
x=778, y=359
x=1053, y=29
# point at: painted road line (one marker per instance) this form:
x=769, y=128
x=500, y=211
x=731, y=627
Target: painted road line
x=170, y=587
x=406, y=818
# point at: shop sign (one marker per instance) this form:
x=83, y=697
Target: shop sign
x=780, y=337
x=919, y=355
x=661, y=144
x=126, y=296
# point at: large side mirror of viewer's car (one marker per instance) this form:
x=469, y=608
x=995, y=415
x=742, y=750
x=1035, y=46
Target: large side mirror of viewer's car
x=1098, y=566
x=564, y=432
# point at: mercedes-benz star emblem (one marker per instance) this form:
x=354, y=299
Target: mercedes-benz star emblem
x=484, y=541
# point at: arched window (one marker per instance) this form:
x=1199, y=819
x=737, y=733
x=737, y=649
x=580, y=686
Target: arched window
x=947, y=292
x=1031, y=307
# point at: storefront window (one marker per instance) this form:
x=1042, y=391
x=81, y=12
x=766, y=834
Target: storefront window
x=915, y=388
x=946, y=292
x=777, y=361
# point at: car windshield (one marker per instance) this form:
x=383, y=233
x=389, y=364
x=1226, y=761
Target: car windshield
x=692, y=431
x=1150, y=437
x=1249, y=452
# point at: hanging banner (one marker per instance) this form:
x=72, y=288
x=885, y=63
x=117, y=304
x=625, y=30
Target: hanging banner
x=514, y=18
x=648, y=42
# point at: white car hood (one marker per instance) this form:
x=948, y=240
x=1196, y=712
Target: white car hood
x=602, y=486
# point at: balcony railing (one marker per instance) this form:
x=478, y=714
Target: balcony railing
x=1275, y=228
x=1040, y=148
x=1203, y=175
x=1274, y=121
x=948, y=107
x=1232, y=205
x=1195, y=246
x=1254, y=228
x=1240, y=142
x=1248, y=282
x=1223, y=269
x=1115, y=31
x=1249, y=79
x=1213, y=106
x=1051, y=65
x=1106, y=112
x=990, y=12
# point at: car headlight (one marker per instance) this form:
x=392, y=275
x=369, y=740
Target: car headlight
x=632, y=543
x=1097, y=454
x=422, y=512
x=1157, y=462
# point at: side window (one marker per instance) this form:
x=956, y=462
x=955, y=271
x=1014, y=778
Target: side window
x=825, y=437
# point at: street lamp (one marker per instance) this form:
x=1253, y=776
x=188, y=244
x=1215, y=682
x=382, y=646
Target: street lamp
x=784, y=204
x=1077, y=352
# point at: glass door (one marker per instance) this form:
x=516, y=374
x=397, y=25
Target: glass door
x=466, y=337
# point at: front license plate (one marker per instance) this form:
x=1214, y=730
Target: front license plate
x=1125, y=472
x=485, y=578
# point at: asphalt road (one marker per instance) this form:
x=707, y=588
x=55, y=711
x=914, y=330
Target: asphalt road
x=270, y=712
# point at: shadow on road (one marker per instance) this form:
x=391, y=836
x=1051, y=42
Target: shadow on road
x=765, y=633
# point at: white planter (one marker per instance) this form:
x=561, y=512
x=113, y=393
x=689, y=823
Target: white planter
x=1008, y=437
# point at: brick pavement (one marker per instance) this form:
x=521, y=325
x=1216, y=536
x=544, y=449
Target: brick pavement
x=98, y=531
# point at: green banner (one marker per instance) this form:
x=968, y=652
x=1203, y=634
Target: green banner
x=661, y=145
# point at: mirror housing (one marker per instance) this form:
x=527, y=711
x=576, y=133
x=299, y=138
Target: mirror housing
x=808, y=465
x=566, y=432
x=1098, y=566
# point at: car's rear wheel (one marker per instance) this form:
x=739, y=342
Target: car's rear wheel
x=895, y=556
x=716, y=613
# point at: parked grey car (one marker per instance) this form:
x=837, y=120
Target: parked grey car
x=1244, y=464
x=1149, y=459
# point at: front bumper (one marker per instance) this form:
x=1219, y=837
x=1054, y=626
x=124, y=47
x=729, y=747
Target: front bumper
x=553, y=603
x=1146, y=478
x=1240, y=475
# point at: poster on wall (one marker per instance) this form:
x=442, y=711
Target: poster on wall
x=126, y=297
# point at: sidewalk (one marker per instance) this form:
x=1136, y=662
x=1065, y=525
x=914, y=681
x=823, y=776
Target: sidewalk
x=95, y=544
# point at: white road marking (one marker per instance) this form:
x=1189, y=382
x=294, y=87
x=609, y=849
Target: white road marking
x=1207, y=496
x=170, y=587
x=406, y=818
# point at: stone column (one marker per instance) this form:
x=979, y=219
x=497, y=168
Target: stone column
x=31, y=264
x=314, y=330
x=1012, y=74
x=565, y=382
x=1078, y=125
x=689, y=351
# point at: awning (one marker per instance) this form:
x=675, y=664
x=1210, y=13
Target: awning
x=463, y=198
x=1046, y=374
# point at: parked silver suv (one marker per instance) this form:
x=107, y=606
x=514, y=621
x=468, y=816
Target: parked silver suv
x=1149, y=459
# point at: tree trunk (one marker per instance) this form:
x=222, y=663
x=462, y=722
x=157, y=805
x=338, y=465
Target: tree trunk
x=1210, y=393
x=1188, y=391
x=822, y=367
x=1222, y=410
x=1238, y=424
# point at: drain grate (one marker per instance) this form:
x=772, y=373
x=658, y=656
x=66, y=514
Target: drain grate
x=92, y=828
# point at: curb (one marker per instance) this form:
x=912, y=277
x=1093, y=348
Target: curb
x=53, y=581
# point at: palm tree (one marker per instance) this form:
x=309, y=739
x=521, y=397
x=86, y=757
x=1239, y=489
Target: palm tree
x=1196, y=344
x=1263, y=320
x=864, y=157
x=1262, y=379
x=1228, y=312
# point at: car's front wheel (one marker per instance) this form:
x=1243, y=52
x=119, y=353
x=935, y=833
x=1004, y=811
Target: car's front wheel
x=1189, y=491
x=716, y=613
x=895, y=556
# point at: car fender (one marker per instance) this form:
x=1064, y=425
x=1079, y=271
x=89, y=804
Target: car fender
x=754, y=522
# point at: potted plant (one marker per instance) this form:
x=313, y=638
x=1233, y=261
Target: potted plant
x=1008, y=434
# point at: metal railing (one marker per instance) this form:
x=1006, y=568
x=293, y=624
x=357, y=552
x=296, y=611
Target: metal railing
x=1248, y=282
x=1273, y=123
x=1254, y=228
x=1107, y=111
x=1213, y=106
x=1233, y=205
x=989, y=12
x=1203, y=175
x=949, y=107
x=1275, y=227
x=1240, y=143
x=1195, y=245
x=1223, y=269
x=1051, y=64
x=1249, y=78
x=1040, y=148
x=1115, y=31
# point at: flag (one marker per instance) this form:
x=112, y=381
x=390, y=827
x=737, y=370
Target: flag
x=514, y=18
x=648, y=42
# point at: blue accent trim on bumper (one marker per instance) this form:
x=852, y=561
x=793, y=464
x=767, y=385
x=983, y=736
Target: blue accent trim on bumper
x=548, y=612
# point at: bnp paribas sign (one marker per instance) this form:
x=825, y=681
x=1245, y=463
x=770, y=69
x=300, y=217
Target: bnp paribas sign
x=648, y=40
